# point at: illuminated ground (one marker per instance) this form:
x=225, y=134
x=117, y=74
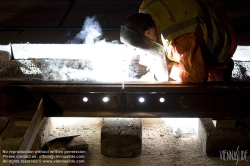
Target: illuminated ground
x=159, y=147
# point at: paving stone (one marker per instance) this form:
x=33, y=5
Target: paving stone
x=121, y=137
x=5, y=56
x=245, y=122
x=224, y=123
x=215, y=139
x=5, y=52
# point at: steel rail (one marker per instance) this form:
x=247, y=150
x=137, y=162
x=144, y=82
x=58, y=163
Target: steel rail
x=161, y=99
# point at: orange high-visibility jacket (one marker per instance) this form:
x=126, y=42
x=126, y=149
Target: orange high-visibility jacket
x=193, y=34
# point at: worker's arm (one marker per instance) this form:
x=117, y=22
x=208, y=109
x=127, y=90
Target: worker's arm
x=186, y=51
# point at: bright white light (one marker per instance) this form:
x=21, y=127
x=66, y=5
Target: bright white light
x=161, y=99
x=85, y=99
x=186, y=125
x=103, y=61
x=175, y=72
x=141, y=99
x=242, y=53
x=105, y=99
x=29, y=68
x=74, y=121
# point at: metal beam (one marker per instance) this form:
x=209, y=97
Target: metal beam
x=207, y=100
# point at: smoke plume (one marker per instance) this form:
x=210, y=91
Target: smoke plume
x=91, y=32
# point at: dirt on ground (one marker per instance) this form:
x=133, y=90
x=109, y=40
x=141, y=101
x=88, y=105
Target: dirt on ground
x=159, y=145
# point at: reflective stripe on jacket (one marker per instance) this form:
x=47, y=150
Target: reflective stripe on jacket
x=178, y=17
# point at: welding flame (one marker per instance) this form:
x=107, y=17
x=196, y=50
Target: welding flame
x=88, y=57
x=109, y=61
x=105, y=59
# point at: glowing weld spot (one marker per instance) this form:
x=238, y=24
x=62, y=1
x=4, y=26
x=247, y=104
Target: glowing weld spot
x=85, y=99
x=105, y=99
x=141, y=99
x=161, y=99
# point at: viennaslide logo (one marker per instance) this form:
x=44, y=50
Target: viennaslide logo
x=233, y=155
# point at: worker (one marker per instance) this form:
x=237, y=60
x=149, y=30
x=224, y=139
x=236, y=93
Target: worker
x=197, y=39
